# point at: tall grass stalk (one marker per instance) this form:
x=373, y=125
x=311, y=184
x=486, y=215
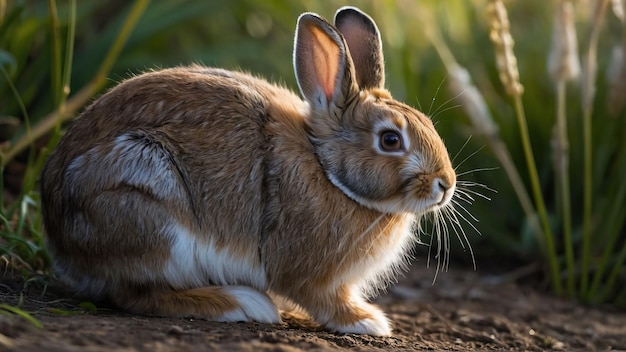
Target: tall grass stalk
x=75, y=102
x=588, y=93
x=65, y=72
x=594, y=294
x=563, y=66
x=55, y=63
x=61, y=75
x=612, y=228
x=617, y=268
x=3, y=10
x=3, y=157
x=509, y=75
x=69, y=55
x=616, y=71
x=561, y=168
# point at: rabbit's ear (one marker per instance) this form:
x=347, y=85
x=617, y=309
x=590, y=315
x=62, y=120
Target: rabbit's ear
x=366, y=49
x=323, y=67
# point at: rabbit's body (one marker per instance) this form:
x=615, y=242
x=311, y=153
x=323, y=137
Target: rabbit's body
x=195, y=191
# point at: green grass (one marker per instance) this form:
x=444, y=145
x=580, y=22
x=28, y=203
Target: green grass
x=559, y=151
x=6, y=309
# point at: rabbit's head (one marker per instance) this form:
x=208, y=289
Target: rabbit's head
x=380, y=152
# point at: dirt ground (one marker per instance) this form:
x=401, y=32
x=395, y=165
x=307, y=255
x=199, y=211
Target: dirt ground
x=464, y=310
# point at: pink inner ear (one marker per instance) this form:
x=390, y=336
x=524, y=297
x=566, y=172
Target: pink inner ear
x=325, y=56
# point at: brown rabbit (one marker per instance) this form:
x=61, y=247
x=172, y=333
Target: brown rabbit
x=197, y=191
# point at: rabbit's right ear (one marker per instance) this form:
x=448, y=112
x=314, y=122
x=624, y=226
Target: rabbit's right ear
x=366, y=49
x=323, y=67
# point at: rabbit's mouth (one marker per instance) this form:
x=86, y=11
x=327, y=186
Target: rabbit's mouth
x=415, y=205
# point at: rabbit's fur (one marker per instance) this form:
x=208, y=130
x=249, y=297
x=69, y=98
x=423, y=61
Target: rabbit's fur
x=197, y=191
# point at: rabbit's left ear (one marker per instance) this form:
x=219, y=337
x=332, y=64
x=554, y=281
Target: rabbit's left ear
x=363, y=38
x=324, y=70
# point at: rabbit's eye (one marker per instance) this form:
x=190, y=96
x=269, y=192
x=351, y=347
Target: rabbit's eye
x=390, y=141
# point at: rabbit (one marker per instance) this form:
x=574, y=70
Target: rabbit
x=202, y=192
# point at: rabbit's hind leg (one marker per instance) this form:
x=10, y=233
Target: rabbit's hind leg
x=215, y=303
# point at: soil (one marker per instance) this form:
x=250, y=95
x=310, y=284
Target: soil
x=462, y=311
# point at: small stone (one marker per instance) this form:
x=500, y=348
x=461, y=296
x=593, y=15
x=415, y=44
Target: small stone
x=175, y=330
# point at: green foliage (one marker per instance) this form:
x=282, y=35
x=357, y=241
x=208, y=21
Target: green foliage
x=83, y=308
x=21, y=237
x=48, y=74
x=6, y=309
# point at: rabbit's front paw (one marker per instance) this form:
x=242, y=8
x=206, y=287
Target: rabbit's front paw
x=346, y=311
x=375, y=324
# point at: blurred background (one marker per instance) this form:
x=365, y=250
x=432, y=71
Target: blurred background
x=57, y=55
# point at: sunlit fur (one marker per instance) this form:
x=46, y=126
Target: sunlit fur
x=196, y=191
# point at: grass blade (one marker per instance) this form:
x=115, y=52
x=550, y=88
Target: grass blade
x=5, y=308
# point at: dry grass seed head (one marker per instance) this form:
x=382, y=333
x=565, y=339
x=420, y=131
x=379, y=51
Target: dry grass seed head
x=503, y=43
x=563, y=62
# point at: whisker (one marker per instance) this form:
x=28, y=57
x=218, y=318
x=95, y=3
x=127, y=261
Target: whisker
x=432, y=102
x=466, y=211
x=454, y=221
x=419, y=105
x=468, y=201
x=476, y=170
x=469, y=156
x=441, y=111
x=454, y=214
x=430, y=246
x=464, y=196
x=468, y=183
x=468, y=191
x=475, y=184
x=469, y=245
x=437, y=229
x=438, y=111
x=440, y=242
x=446, y=233
x=467, y=221
x=445, y=238
x=461, y=149
x=419, y=230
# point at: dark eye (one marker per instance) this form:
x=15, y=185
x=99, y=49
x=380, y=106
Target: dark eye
x=390, y=141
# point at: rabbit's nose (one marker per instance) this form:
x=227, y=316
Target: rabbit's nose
x=439, y=186
x=443, y=185
x=442, y=190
